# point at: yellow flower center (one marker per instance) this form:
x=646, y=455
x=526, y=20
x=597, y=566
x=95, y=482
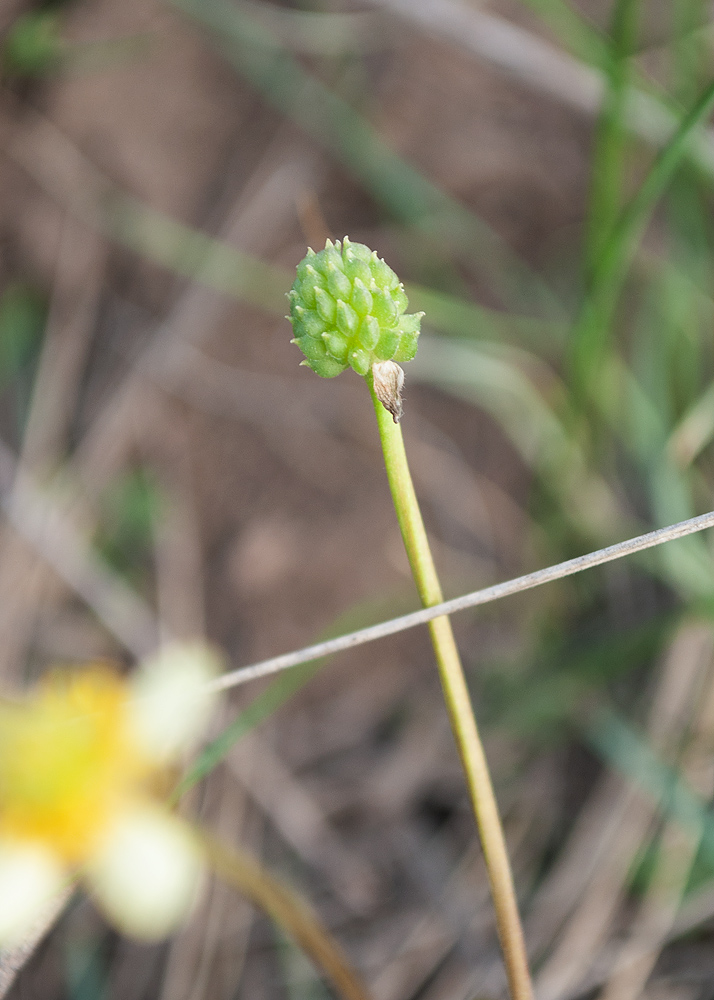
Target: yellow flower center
x=68, y=763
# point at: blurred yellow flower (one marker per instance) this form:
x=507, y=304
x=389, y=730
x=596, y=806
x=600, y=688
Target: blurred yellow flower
x=81, y=767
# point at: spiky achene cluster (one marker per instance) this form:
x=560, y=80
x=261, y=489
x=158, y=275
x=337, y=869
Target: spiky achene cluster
x=347, y=310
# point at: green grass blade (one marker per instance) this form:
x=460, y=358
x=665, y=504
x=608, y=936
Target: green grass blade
x=611, y=137
x=574, y=31
x=591, y=333
x=284, y=687
x=628, y=752
x=468, y=321
x=274, y=696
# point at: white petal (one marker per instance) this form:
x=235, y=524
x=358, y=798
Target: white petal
x=30, y=877
x=146, y=873
x=171, y=704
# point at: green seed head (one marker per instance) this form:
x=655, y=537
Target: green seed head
x=347, y=308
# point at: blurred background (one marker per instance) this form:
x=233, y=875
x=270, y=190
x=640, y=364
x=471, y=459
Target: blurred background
x=168, y=470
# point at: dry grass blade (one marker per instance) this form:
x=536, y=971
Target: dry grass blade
x=302, y=822
x=218, y=934
x=472, y=600
x=596, y=829
x=78, y=274
x=589, y=928
x=677, y=850
x=49, y=529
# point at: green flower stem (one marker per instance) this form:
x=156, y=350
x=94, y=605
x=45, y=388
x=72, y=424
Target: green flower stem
x=458, y=704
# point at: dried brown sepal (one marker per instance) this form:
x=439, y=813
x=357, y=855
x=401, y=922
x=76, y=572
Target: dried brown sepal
x=388, y=380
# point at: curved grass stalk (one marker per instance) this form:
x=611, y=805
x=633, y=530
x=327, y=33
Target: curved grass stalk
x=244, y=874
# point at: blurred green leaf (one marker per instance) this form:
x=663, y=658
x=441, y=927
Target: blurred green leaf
x=130, y=509
x=695, y=431
x=573, y=29
x=87, y=961
x=608, y=159
x=23, y=314
x=32, y=46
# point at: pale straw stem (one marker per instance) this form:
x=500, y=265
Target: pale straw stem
x=494, y=593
